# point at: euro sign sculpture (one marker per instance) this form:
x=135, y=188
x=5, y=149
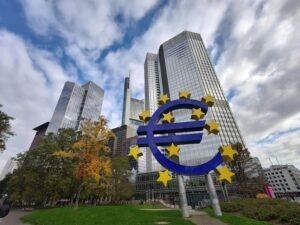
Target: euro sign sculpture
x=172, y=134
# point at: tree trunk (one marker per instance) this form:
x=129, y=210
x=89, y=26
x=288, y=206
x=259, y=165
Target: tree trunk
x=78, y=196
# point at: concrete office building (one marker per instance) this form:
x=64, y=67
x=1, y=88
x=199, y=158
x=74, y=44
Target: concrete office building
x=76, y=102
x=182, y=63
x=285, y=180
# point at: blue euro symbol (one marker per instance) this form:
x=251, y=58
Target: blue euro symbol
x=152, y=141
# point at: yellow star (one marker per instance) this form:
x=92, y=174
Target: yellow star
x=164, y=177
x=135, y=152
x=168, y=118
x=184, y=94
x=173, y=150
x=197, y=114
x=212, y=127
x=145, y=116
x=224, y=174
x=209, y=100
x=227, y=152
x=163, y=99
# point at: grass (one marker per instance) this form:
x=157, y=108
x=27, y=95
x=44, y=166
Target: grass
x=232, y=219
x=105, y=215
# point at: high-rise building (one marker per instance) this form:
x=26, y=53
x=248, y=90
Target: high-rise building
x=40, y=133
x=132, y=107
x=76, y=102
x=125, y=137
x=285, y=180
x=182, y=63
x=9, y=167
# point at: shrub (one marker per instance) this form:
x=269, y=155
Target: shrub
x=230, y=206
x=289, y=215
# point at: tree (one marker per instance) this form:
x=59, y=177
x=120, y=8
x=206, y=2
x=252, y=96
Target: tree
x=43, y=178
x=5, y=129
x=121, y=189
x=237, y=165
x=92, y=165
x=245, y=186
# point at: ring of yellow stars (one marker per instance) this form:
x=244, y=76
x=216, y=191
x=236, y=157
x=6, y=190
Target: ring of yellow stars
x=227, y=152
x=209, y=100
x=145, y=116
x=168, y=118
x=197, y=114
x=184, y=94
x=163, y=99
x=173, y=150
x=164, y=177
x=224, y=174
x=212, y=127
x=135, y=152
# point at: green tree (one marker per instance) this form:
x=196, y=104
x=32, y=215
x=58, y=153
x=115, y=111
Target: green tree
x=5, y=128
x=44, y=178
x=121, y=188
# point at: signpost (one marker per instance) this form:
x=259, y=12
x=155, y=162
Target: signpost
x=167, y=137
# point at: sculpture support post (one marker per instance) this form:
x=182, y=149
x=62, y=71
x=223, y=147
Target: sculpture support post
x=182, y=197
x=213, y=195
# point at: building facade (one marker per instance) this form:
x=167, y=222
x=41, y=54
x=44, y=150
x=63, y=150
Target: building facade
x=40, y=133
x=76, y=102
x=253, y=168
x=125, y=137
x=285, y=180
x=132, y=107
x=9, y=167
x=182, y=63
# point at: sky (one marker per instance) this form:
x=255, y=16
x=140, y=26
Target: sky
x=254, y=46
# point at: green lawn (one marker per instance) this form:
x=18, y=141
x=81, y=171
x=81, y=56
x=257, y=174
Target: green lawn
x=106, y=215
x=232, y=219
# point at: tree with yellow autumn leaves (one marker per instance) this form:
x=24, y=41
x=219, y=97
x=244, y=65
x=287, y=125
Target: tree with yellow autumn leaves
x=90, y=153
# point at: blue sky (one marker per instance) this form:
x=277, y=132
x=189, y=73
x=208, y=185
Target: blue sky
x=254, y=46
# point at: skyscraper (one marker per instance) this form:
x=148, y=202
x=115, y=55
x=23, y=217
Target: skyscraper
x=182, y=63
x=126, y=133
x=9, y=167
x=40, y=133
x=76, y=102
x=132, y=107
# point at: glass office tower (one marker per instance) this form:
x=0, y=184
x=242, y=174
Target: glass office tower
x=182, y=63
x=76, y=102
x=132, y=107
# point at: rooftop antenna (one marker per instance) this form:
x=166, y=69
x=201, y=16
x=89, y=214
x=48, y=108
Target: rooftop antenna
x=271, y=161
x=277, y=161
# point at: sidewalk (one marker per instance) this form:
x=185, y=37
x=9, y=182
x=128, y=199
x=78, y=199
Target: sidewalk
x=201, y=218
x=13, y=218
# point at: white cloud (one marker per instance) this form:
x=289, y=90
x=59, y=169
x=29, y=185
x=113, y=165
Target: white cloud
x=31, y=81
x=92, y=25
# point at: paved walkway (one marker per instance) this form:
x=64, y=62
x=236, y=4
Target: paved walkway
x=201, y=218
x=13, y=218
